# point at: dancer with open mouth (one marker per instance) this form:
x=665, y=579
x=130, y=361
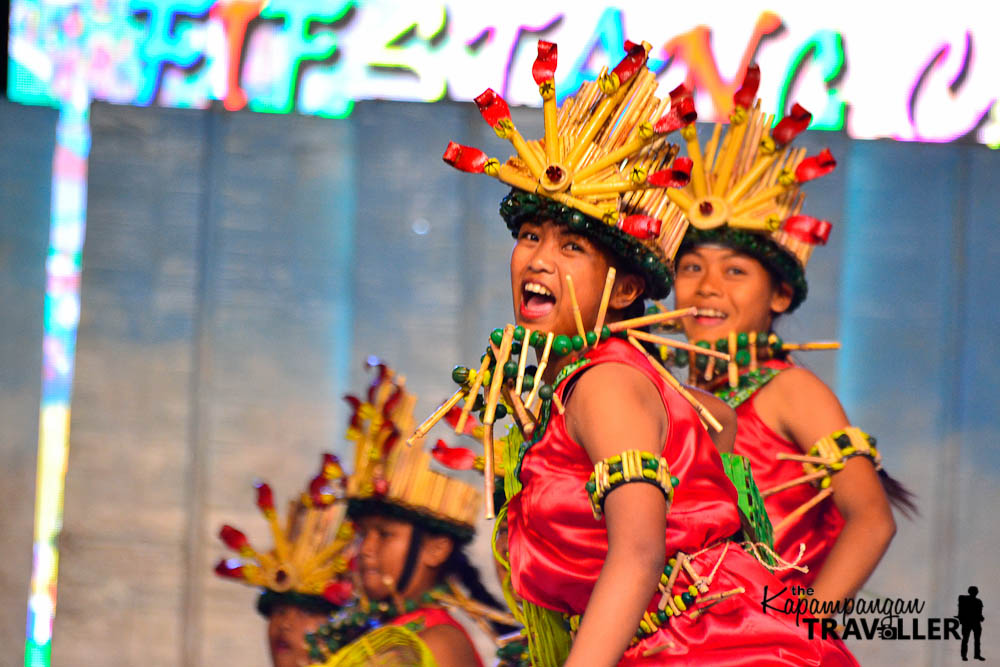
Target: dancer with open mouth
x=621, y=518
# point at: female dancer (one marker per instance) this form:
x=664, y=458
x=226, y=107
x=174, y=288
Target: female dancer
x=741, y=270
x=643, y=573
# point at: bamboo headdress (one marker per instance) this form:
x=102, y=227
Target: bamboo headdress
x=745, y=189
x=310, y=552
x=603, y=167
x=394, y=478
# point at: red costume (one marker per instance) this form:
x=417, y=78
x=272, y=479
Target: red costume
x=429, y=617
x=557, y=548
x=818, y=528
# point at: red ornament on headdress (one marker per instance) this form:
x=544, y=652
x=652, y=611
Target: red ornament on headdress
x=751, y=81
x=229, y=568
x=265, y=498
x=456, y=458
x=807, y=229
x=642, y=227
x=682, y=111
x=465, y=158
x=677, y=176
x=338, y=592
x=791, y=126
x=492, y=107
x=544, y=68
x=635, y=58
x=816, y=166
x=233, y=538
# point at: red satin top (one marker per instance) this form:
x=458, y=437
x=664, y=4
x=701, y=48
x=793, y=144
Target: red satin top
x=429, y=617
x=818, y=528
x=557, y=549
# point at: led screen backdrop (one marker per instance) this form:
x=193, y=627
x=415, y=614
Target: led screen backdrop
x=877, y=71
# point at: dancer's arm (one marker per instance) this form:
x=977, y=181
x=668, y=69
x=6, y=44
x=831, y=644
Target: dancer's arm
x=614, y=408
x=808, y=411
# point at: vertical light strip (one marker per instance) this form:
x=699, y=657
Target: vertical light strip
x=62, y=315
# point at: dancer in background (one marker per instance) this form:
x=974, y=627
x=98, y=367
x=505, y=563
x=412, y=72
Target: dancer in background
x=742, y=265
x=411, y=568
x=304, y=576
x=620, y=514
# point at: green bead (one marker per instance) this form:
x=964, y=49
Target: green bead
x=661, y=616
x=577, y=221
x=460, y=374
x=743, y=357
x=561, y=345
x=605, y=332
x=518, y=333
x=681, y=357
x=652, y=310
x=515, y=347
x=667, y=570
x=777, y=344
x=674, y=481
x=742, y=340
x=722, y=345
x=703, y=343
x=700, y=362
x=577, y=342
x=537, y=339
x=591, y=338
x=527, y=382
x=496, y=336
x=510, y=369
x=545, y=392
x=650, y=464
x=687, y=599
x=479, y=403
x=649, y=262
x=501, y=411
x=590, y=486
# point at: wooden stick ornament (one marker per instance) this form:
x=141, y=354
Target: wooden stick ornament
x=522, y=361
x=733, y=368
x=602, y=311
x=803, y=508
x=813, y=476
x=655, y=318
x=543, y=362
x=477, y=382
x=577, y=317
x=679, y=388
x=670, y=342
x=438, y=414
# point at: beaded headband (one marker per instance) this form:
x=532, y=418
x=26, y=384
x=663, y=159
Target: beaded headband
x=306, y=565
x=603, y=167
x=395, y=479
x=745, y=188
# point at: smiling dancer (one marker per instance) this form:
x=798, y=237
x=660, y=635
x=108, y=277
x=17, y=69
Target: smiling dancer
x=742, y=265
x=642, y=573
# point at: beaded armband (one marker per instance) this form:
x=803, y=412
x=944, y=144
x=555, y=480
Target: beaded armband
x=830, y=453
x=629, y=466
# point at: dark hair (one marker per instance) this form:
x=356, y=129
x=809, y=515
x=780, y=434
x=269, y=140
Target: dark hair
x=900, y=497
x=458, y=566
x=311, y=604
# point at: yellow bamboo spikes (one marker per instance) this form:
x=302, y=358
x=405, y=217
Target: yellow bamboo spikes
x=678, y=387
x=525, y=152
x=543, y=362
x=734, y=370
x=616, y=156
x=654, y=318
x=602, y=311
x=522, y=362
x=593, y=126
x=473, y=392
x=670, y=342
x=748, y=179
x=818, y=345
x=699, y=181
x=488, y=473
x=550, y=112
x=681, y=198
x=606, y=188
x=759, y=199
x=736, y=131
x=803, y=508
x=438, y=414
x=577, y=317
x=503, y=354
